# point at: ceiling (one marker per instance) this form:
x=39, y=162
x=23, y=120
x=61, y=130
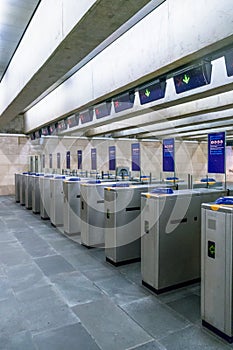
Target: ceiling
x=14, y=18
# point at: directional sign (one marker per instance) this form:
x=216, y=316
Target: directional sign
x=86, y=116
x=229, y=62
x=135, y=152
x=53, y=129
x=124, y=101
x=37, y=134
x=72, y=120
x=103, y=109
x=112, y=157
x=152, y=92
x=211, y=249
x=68, y=160
x=62, y=125
x=45, y=131
x=193, y=78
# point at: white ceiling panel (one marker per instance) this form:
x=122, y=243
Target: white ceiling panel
x=14, y=18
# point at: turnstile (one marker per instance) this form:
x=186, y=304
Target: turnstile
x=217, y=268
x=22, y=187
x=71, y=209
x=56, y=200
x=44, y=182
x=17, y=188
x=28, y=190
x=92, y=213
x=36, y=193
x=171, y=234
x=122, y=222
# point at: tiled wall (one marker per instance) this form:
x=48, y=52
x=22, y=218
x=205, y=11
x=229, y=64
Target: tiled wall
x=14, y=151
x=191, y=157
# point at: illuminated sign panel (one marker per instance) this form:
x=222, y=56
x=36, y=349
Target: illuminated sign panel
x=123, y=102
x=229, y=63
x=72, y=120
x=193, y=78
x=152, y=92
x=37, y=134
x=45, y=131
x=103, y=110
x=86, y=116
x=62, y=125
x=52, y=129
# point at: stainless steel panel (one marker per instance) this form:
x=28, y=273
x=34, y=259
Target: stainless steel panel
x=56, y=201
x=36, y=195
x=17, y=188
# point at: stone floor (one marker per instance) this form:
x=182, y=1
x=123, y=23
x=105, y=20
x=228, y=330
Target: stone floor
x=57, y=295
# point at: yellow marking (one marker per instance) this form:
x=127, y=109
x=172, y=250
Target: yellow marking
x=148, y=195
x=215, y=207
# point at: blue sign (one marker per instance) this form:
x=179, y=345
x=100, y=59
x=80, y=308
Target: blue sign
x=216, y=153
x=135, y=151
x=80, y=159
x=93, y=159
x=112, y=157
x=58, y=160
x=193, y=78
x=168, y=155
x=152, y=92
x=50, y=160
x=43, y=161
x=103, y=110
x=123, y=102
x=229, y=62
x=68, y=160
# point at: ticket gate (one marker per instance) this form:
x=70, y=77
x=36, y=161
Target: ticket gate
x=71, y=209
x=92, y=213
x=122, y=222
x=44, y=183
x=22, y=187
x=28, y=190
x=171, y=236
x=17, y=188
x=36, y=193
x=56, y=200
x=217, y=267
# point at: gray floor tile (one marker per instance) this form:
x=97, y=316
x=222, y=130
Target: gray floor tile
x=189, y=307
x=11, y=318
x=121, y=290
x=44, y=309
x=5, y=289
x=152, y=345
x=14, y=257
x=132, y=272
x=36, y=246
x=19, y=341
x=110, y=326
x=54, y=264
x=65, y=246
x=174, y=295
x=155, y=317
x=72, y=337
x=25, y=276
x=100, y=273
x=193, y=338
x=76, y=288
x=82, y=261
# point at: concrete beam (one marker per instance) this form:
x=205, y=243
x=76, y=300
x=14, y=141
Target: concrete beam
x=97, y=24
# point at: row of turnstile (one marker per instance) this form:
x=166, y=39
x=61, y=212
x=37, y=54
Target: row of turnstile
x=176, y=235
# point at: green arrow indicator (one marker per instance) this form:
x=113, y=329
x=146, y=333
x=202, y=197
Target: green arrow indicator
x=147, y=92
x=186, y=79
x=212, y=249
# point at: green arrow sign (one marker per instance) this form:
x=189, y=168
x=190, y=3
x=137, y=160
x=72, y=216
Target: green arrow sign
x=186, y=79
x=147, y=92
x=212, y=249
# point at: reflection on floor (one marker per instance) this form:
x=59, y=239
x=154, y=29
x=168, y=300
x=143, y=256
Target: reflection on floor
x=56, y=294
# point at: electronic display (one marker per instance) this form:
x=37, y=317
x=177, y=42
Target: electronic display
x=152, y=92
x=72, y=120
x=45, y=131
x=62, y=125
x=193, y=78
x=53, y=129
x=168, y=154
x=229, y=62
x=86, y=116
x=103, y=109
x=124, y=101
x=37, y=134
x=216, y=153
